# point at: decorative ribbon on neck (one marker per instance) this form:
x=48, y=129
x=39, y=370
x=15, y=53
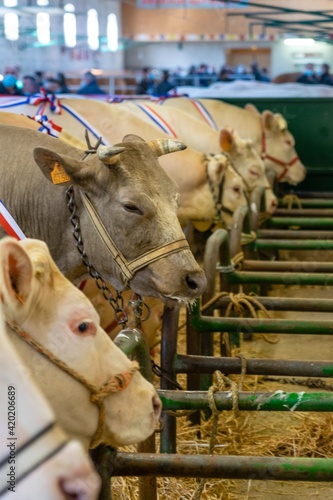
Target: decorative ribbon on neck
x=129, y=268
x=47, y=126
x=204, y=113
x=157, y=119
x=44, y=98
x=116, y=383
x=273, y=159
x=9, y=224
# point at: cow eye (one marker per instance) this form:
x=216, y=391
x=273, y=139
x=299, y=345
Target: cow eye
x=83, y=327
x=236, y=189
x=86, y=328
x=129, y=207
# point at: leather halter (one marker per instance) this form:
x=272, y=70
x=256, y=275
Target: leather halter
x=275, y=160
x=129, y=268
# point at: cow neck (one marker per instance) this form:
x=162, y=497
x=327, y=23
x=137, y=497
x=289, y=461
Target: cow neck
x=116, y=383
x=285, y=165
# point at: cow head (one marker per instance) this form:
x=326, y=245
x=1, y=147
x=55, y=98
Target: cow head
x=57, y=315
x=277, y=147
x=227, y=186
x=137, y=202
x=246, y=160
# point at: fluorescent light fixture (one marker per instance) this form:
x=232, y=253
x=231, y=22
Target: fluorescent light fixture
x=299, y=41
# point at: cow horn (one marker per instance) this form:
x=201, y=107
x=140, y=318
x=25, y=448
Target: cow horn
x=108, y=155
x=165, y=146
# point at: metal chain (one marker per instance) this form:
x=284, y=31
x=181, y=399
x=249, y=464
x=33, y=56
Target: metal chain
x=116, y=303
x=309, y=382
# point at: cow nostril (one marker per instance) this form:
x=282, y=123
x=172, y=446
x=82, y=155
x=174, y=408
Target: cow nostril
x=196, y=282
x=191, y=283
x=157, y=407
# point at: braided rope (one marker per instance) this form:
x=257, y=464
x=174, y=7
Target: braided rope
x=217, y=386
x=290, y=199
x=116, y=383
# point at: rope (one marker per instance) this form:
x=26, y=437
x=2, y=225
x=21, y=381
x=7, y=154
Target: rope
x=290, y=199
x=237, y=261
x=116, y=383
x=217, y=386
x=247, y=238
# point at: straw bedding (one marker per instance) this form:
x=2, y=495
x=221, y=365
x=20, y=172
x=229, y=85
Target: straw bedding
x=278, y=434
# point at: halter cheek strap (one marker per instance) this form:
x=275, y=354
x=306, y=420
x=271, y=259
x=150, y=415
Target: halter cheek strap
x=129, y=268
x=286, y=166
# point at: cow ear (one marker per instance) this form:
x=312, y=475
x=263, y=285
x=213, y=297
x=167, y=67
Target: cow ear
x=17, y=272
x=252, y=109
x=63, y=169
x=133, y=138
x=227, y=140
x=268, y=121
x=53, y=165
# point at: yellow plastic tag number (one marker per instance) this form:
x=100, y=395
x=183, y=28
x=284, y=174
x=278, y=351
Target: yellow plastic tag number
x=58, y=174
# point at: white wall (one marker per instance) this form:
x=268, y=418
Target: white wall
x=170, y=55
x=288, y=59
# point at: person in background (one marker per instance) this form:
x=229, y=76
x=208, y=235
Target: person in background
x=89, y=85
x=51, y=85
x=146, y=84
x=309, y=77
x=164, y=85
x=39, y=77
x=224, y=76
x=259, y=76
x=63, y=84
x=30, y=86
x=325, y=78
x=8, y=86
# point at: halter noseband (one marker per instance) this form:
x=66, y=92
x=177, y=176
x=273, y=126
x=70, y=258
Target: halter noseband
x=116, y=383
x=286, y=166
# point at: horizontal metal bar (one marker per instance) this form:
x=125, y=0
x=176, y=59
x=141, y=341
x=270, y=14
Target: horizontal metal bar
x=249, y=401
x=248, y=277
x=317, y=202
x=288, y=266
x=261, y=325
x=227, y=467
x=290, y=244
x=291, y=368
x=304, y=212
x=315, y=222
x=285, y=304
x=299, y=234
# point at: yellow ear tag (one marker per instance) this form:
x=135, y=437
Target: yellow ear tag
x=58, y=174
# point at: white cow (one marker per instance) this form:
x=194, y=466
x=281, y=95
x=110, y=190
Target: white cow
x=91, y=403
x=36, y=458
x=268, y=130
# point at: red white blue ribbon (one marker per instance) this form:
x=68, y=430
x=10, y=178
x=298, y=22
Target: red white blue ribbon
x=9, y=224
x=44, y=99
x=157, y=119
x=47, y=126
x=204, y=113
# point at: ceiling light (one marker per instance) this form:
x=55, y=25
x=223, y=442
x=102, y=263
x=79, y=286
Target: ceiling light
x=299, y=41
